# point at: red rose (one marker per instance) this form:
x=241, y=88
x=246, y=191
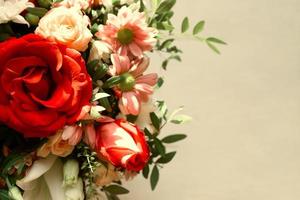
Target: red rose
x=43, y=85
x=123, y=145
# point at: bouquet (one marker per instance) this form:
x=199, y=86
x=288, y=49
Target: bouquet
x=77, y=112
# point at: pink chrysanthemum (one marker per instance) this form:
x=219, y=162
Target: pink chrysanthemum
x=128, y=33
x=135, y=87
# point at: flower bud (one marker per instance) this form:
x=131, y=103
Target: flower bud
x=71, y=171
x=44, y=3
x=32, y=19
x=15, y=193
x=75, y=192
x=127, y=82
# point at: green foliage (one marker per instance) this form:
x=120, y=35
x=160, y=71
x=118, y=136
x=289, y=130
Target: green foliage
x=159, y=152
x=166, y=158
x=154, y=177
x=116, y=189
x=198, y=27
x=185, y=25
x=173, y=138
x=165, y=6
x=181, y=119
x=155, y=120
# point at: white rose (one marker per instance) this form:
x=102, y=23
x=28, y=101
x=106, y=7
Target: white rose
x=10, y=11
x=66, y=26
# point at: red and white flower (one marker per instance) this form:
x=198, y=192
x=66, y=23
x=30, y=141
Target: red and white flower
x=128, y=33
x=123, y=145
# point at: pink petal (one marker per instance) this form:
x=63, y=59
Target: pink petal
x=121, y=64
x=68, y=132
x=131, y=103
x=140, y=67
x=150, y=79
x=76, y=137
x=90, y=135
x=135, y=50
x=144, y=88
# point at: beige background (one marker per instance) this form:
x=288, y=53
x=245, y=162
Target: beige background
x=244, y=143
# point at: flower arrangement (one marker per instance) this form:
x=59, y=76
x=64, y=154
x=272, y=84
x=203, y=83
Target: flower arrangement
x=77, y=112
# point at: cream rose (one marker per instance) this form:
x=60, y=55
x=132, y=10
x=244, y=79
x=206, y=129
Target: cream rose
x=66, y=26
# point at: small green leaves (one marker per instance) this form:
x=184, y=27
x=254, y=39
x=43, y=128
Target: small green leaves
x=166, y=158
x=211, y=41
x=165, y=6
x=185, y=25
x=116, y=189
x=146, y=171
x=198, y=27
x=4, y=195
x=160, y=82
x=160, y=147
x=181, y=119
x=154, y=177
x=155, y=120
x=215, y=40
x=173, y=138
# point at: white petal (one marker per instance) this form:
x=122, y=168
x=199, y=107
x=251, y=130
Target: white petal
x=54, y=180
x=38, y=168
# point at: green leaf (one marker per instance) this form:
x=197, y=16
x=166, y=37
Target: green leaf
x=181, y=119
x=165, y=64
x=165, y=6
x=105, y=103
x=113, y=81
x=160, y=82
x=166, y=44
x=4, y=36
x=142, y=6
x=116, y=189
x=100, y=72
x=215, y=40
x=213, y=47
x=4, y=195
x=199, y=27
x=160, y=147
x=146, y=171
x=173, y=138
x=154, y=177
x=155, y=121
x=185, y=25
x=167, y=158
x=131, y=118
x=111, y=196
x=40, y=12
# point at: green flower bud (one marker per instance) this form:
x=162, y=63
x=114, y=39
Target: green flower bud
x=44, y=3
x=71, y=171
x=127, y=83
x=32, y=19
x=15, y=193
x=75, y=192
